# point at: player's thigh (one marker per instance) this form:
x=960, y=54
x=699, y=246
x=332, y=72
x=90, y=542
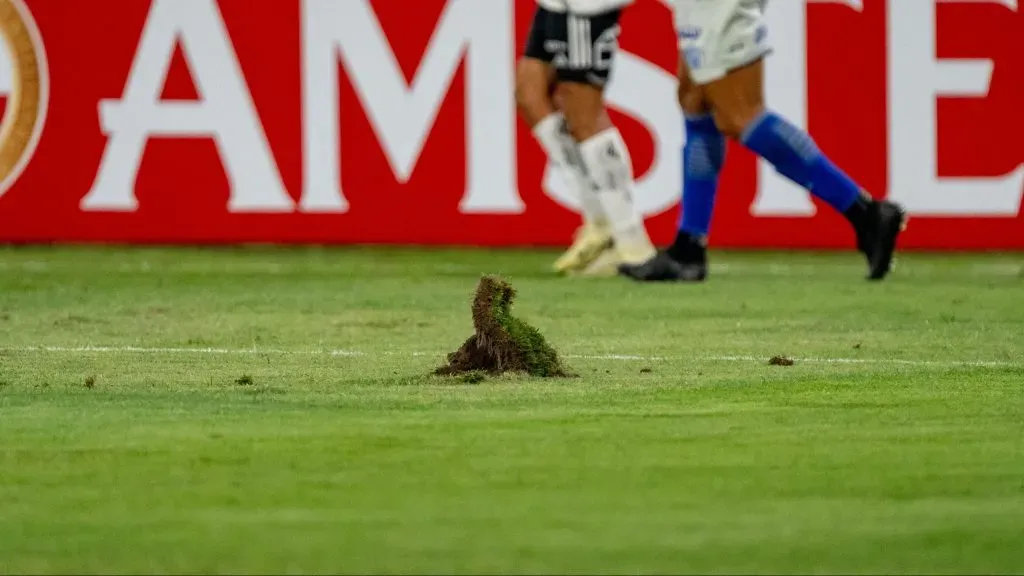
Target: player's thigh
x=722, y=43
x=690, y=94
x=584, y=63
x=534, y=84
x=535, y=74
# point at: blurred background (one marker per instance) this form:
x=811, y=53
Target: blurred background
x=382, y=121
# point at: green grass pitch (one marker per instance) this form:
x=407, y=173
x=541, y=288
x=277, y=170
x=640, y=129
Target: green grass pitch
x=260, y=410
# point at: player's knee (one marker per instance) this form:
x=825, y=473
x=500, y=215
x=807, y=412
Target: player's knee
x=583, y=107
x=582, y=129
x=734, y=122
x=691, y=102
x=688, y=94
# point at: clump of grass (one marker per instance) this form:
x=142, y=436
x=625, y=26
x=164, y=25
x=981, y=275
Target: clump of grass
x=502, y=342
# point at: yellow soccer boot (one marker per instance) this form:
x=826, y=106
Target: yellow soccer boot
x=590, y=241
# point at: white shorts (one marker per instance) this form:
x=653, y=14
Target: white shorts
x=716, y=36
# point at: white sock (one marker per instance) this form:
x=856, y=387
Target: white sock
x=561, y=150
x=610, y=169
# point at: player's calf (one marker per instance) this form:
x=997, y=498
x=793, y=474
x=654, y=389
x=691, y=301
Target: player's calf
x=740, y=113
x=703, y=158
x=533, y=97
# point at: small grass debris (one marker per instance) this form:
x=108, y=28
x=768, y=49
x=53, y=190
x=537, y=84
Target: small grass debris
x=475, y=377
x=244, y=380
x=90, y=382
x=501, y=342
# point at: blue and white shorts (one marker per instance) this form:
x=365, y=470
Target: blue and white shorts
x=716, y=36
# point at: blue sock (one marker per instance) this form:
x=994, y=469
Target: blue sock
x=796, y=156
x=703, y=156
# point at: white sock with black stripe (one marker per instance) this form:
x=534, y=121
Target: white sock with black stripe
x=610, y=171
x=561, y=150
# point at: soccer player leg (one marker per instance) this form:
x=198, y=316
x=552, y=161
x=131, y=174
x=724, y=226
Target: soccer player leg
x=583, y=70
x=731, y=67
x=535, y=82
x=703, y=158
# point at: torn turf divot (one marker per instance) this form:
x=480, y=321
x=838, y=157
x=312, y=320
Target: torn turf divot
x=501, y=342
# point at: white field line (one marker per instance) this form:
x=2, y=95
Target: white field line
x=1000, y=268
x=600, y=357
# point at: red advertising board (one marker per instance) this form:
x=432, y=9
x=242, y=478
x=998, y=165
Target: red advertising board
x=392, y=121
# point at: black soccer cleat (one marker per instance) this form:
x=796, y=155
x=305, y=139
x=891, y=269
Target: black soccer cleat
x=662, y=268
x=684, y=261
x=877, y=231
